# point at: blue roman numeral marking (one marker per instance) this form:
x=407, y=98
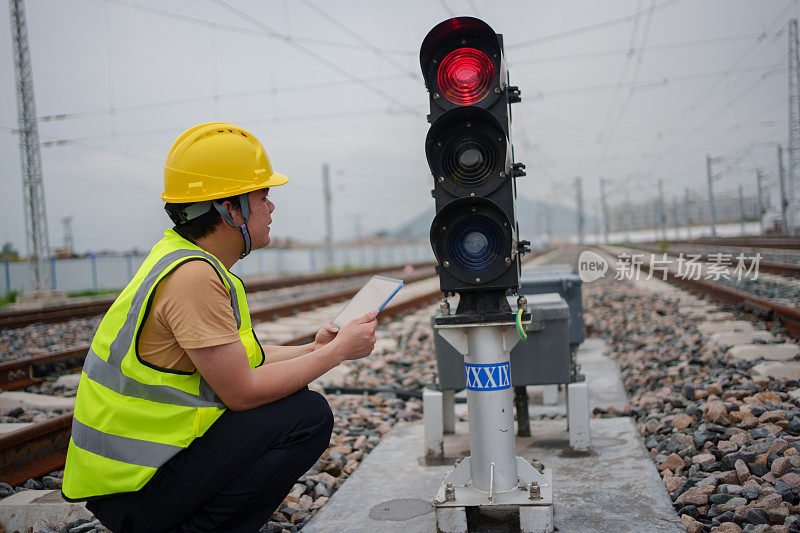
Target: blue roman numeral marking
x=489, y=377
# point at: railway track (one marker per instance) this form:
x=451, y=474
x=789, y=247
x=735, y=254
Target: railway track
x=773, y=267
x=782, y=243
x=23, y=372
x=788, y=316
x=17, y=318
x=39, y=449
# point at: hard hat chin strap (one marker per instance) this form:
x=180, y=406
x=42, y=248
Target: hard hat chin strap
x=244, y=206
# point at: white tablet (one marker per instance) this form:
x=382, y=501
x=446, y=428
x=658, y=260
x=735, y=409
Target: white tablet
x=375, y=294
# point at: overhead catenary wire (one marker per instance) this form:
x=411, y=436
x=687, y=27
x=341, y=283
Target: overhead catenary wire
x=750, y=49
x=640, y=136
x=671, y=152
x=620, y=133
x=589, y=28
x=624, y=73
x=636, y=69
x=245, y=30
x=651, y=48
x=320, y=59
x=358, y=37
x=728, y=105
x=474, y=7
x=172, y=130
x=447, y=8
x=654, y=84
x=721, y=77
x=212, y=97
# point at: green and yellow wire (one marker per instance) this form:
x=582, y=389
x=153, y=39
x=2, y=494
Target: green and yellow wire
x=520, y=329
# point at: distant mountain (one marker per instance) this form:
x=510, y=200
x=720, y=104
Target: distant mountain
x=532, y=216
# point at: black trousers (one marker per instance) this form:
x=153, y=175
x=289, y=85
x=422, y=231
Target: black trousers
x=232, y=478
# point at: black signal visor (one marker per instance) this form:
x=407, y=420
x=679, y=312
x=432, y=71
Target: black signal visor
x=461, y=59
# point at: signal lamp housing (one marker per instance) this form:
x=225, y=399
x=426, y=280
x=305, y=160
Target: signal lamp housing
x=468, y=153
x=463, y=64
x=474, y=242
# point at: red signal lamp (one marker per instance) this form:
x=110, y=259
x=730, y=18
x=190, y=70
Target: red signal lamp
x=465, y=76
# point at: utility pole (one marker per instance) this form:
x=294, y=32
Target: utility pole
x=711, y=197
x=741, y=207
x=326, y=187
x=675, y=215
x=686, y=212
x=629, y=224
x=662, y=218
x=784, y=201
x=548, y=224
x=759, y=177
x=579, y=198
x=539, y=220
x=357, y=221
x=69, y=242
x=30, y=156
x=794, y=122
x=604, y=204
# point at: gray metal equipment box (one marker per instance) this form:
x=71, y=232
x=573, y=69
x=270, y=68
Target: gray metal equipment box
x=562, y=280
x=543, y=359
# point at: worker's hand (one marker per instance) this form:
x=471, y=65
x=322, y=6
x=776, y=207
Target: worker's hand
x=325, y=335
x=356, y=339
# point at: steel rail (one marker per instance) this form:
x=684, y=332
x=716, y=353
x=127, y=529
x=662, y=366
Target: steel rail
x=784, y=243
x=773, y=267
x=17, y=318
x=35, y=450
x=788, y=316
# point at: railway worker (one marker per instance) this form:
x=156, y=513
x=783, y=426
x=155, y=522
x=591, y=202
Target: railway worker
x=182, y=421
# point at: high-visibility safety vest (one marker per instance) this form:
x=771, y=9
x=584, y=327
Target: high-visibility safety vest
x=131, y=417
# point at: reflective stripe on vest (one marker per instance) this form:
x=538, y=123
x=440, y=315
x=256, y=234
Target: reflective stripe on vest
x=123, y=449
x=111, y=377
x=131, y=418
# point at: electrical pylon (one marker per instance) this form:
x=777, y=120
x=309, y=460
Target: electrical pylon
x=794, y=124
x=30, y=157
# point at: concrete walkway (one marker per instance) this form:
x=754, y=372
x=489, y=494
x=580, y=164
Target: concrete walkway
x=613, y=488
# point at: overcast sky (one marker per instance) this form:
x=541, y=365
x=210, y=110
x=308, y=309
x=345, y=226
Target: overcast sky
x=632, y=90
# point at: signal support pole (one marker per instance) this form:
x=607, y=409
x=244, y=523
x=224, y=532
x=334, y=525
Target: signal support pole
x=492, y=474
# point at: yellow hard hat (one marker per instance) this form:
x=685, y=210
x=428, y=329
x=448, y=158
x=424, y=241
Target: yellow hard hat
x=216, y=160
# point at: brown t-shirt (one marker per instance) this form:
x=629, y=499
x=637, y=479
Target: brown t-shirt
x=191, y=309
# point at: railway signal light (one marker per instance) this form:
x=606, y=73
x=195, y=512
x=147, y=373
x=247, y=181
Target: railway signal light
x=469, y=151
